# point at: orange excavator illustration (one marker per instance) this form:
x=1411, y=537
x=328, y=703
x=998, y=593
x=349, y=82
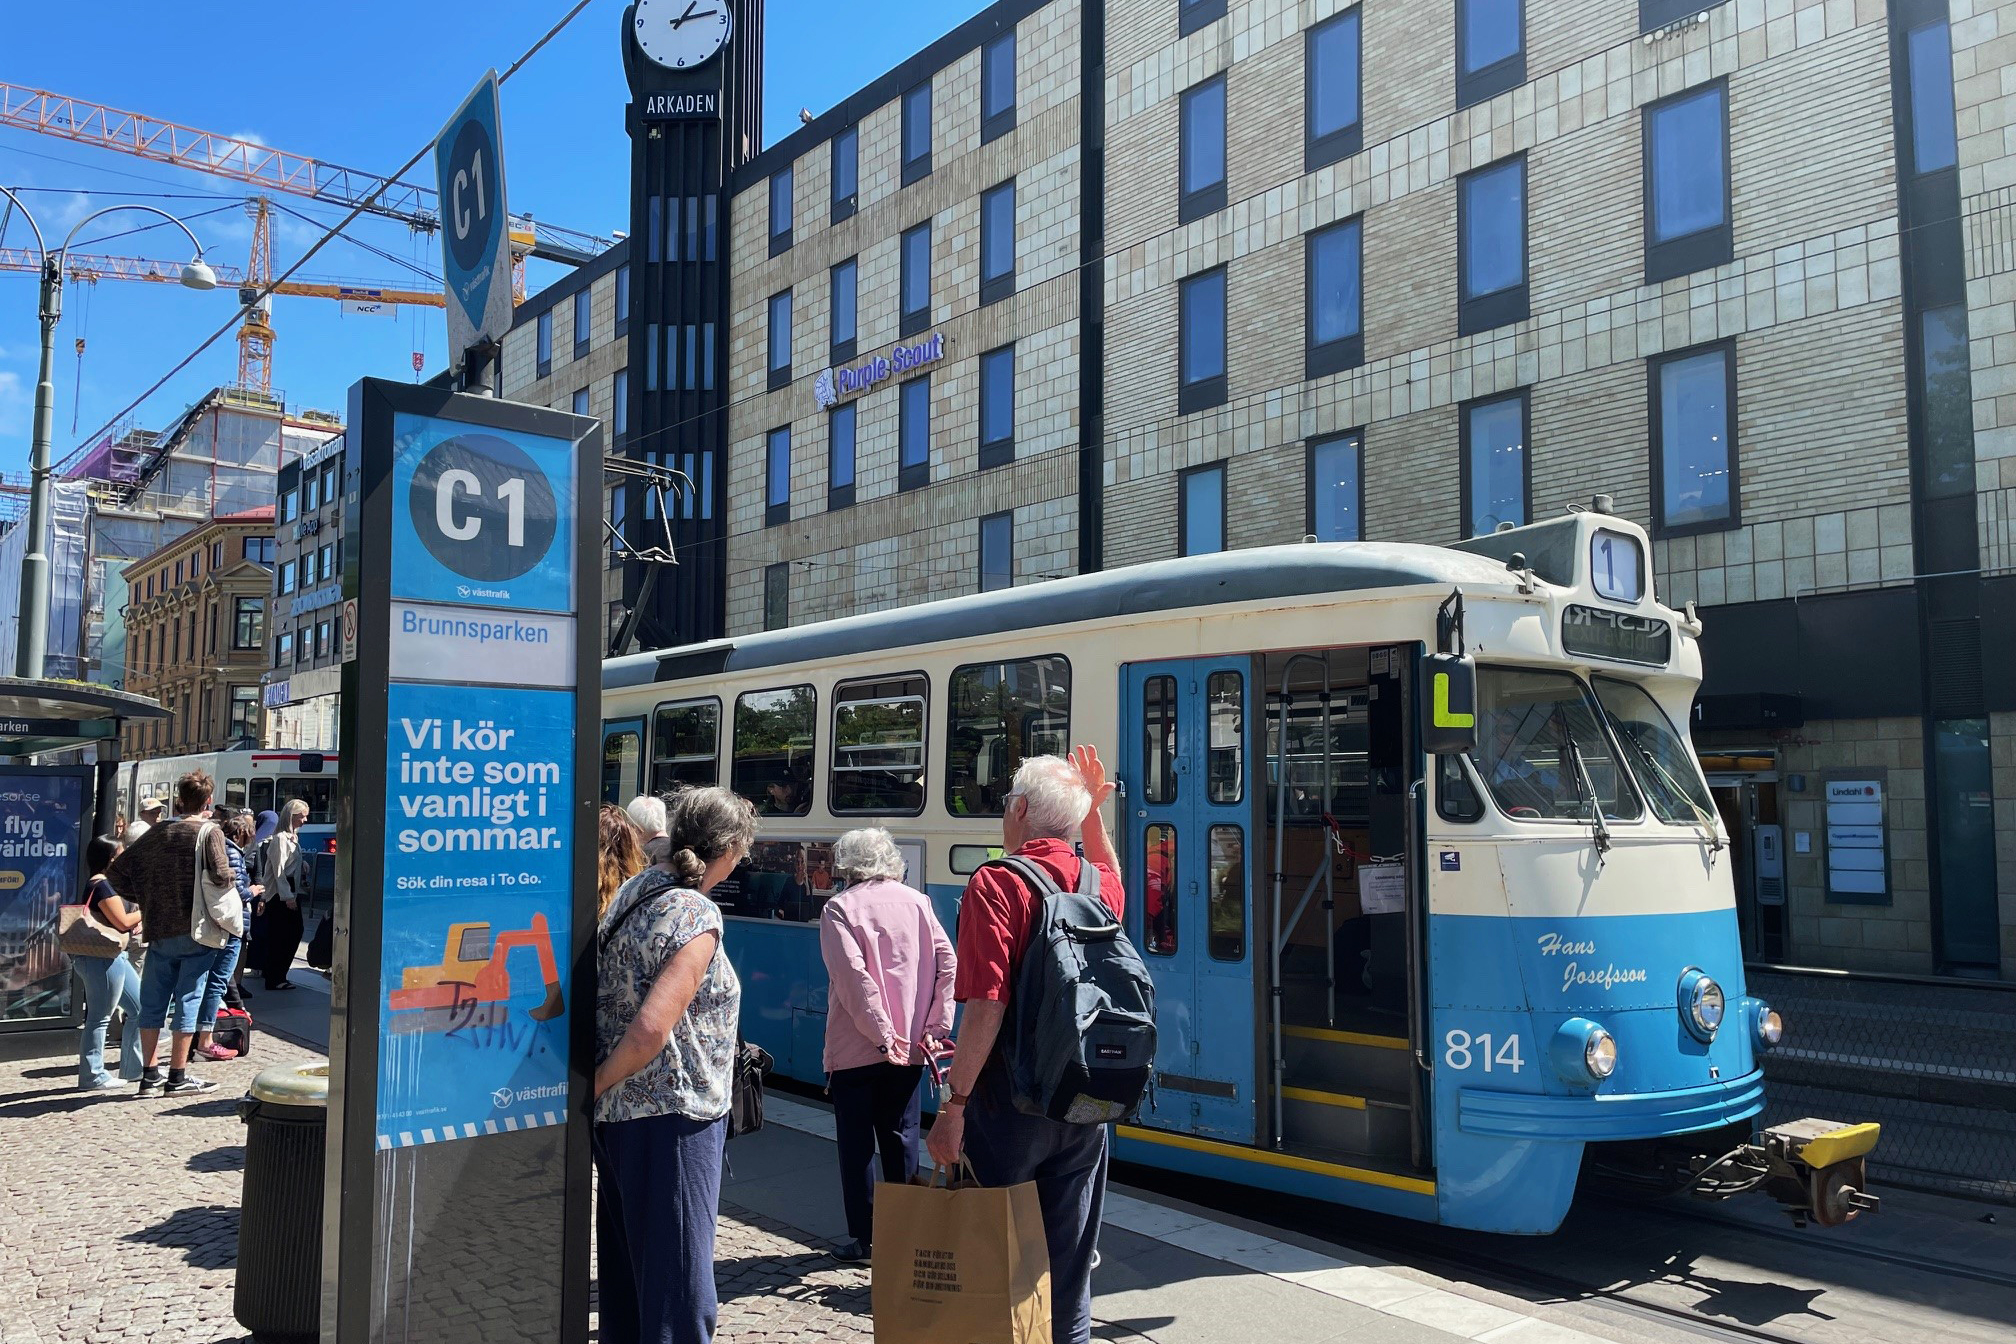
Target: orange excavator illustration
x=472, y=985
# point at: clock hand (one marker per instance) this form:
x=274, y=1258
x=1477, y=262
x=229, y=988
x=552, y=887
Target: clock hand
x=687, y=15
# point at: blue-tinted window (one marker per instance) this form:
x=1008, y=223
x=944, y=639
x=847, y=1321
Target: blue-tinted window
x=1696, y=456
x=1335, y=283
x=916, y=132
x=997, y=86
x=780, y=205
x=997, y=239
x=1492, y=30
x=997, y=552
x=916, y=280
x=846, y=169
x=846, y=287
x=780, y=332
x=840, y=447
x=1335, y=487
x=1203, y=510
x=619, y=404
x=1949, y=402
x=1333, y=76
x=1934, y=140
x=1494, y=435
x=997, y=398
x=1203, y=137
x=1202, y=319
x=914, y=426
x=1688, y=176
x=777, y=469
x=1494, y=229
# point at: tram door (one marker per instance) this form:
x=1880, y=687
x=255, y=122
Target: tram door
x=622, y=760
x=1187, y=816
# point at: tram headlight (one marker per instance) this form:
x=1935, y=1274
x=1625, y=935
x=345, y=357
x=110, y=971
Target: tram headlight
x=1770, y=1026
x=1599, y=1054
x=1583, y=1052
x=1702, y=1003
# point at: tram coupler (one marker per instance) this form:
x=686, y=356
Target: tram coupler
x=1817, y=1169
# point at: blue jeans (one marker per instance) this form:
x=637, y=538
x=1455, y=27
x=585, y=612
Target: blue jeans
x=109, y=982
x=654, y=1222
x=218, y=983
x=177, y=971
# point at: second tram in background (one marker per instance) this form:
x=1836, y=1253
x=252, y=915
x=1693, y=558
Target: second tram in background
x=1437, y=903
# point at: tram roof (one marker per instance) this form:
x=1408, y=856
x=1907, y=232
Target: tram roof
x=1225, y=578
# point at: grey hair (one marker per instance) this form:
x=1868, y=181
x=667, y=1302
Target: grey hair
x=703, y=824
x=648, y=813
x=1055, y=795
x=296, y=807
x=866, y=854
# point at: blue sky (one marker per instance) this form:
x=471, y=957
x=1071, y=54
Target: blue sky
x=362, y=84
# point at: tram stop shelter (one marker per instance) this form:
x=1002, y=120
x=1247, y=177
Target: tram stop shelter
x=59, y=762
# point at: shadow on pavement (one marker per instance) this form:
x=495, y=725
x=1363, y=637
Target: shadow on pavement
x=213, y=1108
x=62, y=1103
x=788, y=1276
x=228, y=1158
x=206, y=1234
x=52, y=1071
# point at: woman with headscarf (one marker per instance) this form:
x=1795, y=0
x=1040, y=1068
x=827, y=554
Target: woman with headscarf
x=252, y=954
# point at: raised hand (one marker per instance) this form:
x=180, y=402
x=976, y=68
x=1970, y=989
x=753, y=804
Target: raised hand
x=1093, y=771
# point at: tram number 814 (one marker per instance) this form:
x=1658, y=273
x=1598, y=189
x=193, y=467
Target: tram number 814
x=1461, y=1050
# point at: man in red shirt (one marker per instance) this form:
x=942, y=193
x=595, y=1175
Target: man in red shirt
x=1049, y=800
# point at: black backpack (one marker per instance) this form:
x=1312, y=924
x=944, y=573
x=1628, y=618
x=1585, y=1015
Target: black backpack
x=1080, y=1037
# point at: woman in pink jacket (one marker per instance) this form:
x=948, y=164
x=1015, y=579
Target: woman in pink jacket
x=890, y=968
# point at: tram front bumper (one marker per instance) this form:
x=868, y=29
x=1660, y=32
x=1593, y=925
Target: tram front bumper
x=1816, y=1168
x=1608, y=1119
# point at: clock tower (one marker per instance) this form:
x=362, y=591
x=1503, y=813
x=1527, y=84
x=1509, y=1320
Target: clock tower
x=696, y=114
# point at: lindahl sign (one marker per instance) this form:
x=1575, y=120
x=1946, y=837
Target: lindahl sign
x=682, y=106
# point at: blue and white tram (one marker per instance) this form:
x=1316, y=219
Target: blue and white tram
x=1434, y=985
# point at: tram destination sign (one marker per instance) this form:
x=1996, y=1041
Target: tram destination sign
x=1616, y=636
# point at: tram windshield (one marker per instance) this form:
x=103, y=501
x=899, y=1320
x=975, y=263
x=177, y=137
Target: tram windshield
x=1658, y=755
x=1532, y=726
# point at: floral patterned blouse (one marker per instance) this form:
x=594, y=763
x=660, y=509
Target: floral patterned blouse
x=691, y=1075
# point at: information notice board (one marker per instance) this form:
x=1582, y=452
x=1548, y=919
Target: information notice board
x=461, y=1044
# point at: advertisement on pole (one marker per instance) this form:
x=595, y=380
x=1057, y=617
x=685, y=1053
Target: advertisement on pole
x=42, y=815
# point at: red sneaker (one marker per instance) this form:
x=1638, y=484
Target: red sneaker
x=216, y=1052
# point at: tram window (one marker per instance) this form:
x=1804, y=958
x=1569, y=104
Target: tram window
x=773, y=749
x=1228, y=893
x=1225, y=725
x=319, y=794
x=620, y=754
x=234, y=793
x=1158, y=739
x=1308, y=762
x=685, y=742
x=260, y=792
x=785, y=880
x=1001, y=714
x=1455, y=796
x=1159, y=846
x=967, y=859
x=878, y=746
x=1529, y=721
x=1658, y=755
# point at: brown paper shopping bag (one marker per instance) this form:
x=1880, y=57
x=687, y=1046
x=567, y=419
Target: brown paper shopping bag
x=960, y=1264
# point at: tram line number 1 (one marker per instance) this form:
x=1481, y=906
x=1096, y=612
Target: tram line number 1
x=1461, y=1050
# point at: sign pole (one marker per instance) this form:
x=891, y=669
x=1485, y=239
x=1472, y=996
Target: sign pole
x=462, y=1016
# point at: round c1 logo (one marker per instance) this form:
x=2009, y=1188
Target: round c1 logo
x=482, y=507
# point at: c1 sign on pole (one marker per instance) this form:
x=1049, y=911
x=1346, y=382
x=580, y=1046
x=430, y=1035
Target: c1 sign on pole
x=475, y=227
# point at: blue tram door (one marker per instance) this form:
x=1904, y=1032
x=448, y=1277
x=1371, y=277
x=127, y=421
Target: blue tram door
x=1187, y=815
x=622, y=760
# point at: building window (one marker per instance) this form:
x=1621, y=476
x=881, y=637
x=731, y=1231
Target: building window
x=1201, y=149
x=1194, y=14
x=840, y=457
x=1686, y=169
x=579, y=405
x=780, y=339
x=916, y=134
x=1497, y=468
x=916, y=279
x=1491, y=258
x=710, y=229
x=997, y=551
x=1200, y=507
x=619, y=518
x=311, y=500
x=583, y=329
x=997, y=242
x=1948, y=397
x=259, y=550
x=545, y=342
x=997, y=407
x=706, y=356
x=287, y=575
x=619, y=404
x=780, y=211
x=322, y=639
x=1934, y=138
x=1490, y=48
x=913, y=434
x=846, y=173
x=283, y=649
x=623, y=299
x=844, y=286
x=248, y=630
x=1656, y=14
x=1336, y=488
x=1332, y=64
x=306, y=649
x=1201, y=340
x=776, y=596
x=329, y=562
x=330, y=472
x=1694, y=440
x=216, y=555
x=1335, y=288
x=777, y=477
x=997, y=87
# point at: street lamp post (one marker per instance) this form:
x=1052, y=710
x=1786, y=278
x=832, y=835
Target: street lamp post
x=34, y=641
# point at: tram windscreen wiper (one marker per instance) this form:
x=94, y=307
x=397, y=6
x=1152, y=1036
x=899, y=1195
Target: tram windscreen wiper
x=1600, y=829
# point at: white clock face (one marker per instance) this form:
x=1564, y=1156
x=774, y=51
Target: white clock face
x=680, y=34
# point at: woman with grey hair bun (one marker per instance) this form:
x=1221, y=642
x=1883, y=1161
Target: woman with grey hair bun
x=665, y=1034
x=890, y=967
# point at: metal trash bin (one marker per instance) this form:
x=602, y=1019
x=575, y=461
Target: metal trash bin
x=279, y=1292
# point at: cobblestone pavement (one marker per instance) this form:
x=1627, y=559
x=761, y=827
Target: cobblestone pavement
x=121, y=1224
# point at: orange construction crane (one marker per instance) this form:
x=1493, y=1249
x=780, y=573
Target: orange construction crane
x=89, y=269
